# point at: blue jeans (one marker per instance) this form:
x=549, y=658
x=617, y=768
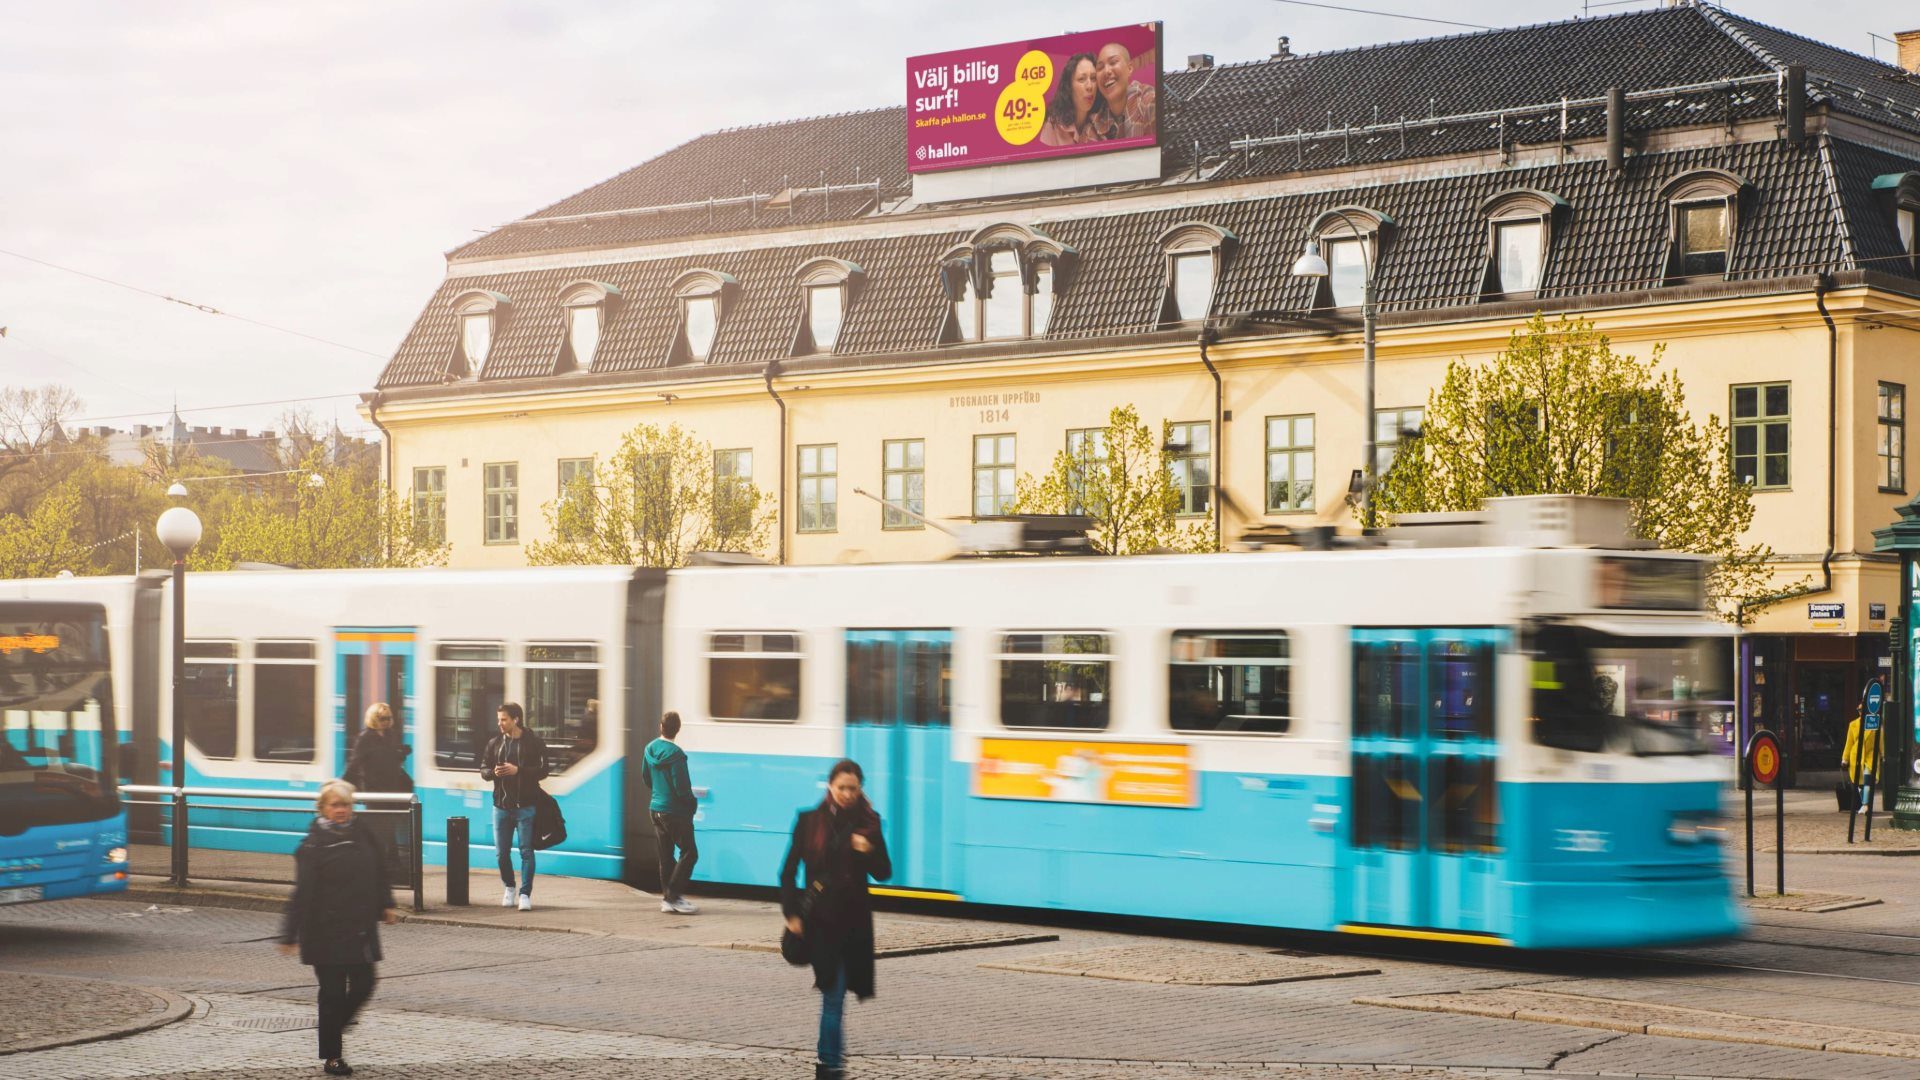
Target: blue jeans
x=505, y=824
x=833, y=1005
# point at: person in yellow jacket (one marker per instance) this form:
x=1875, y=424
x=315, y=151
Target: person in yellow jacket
x=1862, y=752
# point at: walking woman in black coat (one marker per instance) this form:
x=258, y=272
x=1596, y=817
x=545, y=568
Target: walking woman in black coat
x=841, y=844
x=378, y=764
x=340, y=896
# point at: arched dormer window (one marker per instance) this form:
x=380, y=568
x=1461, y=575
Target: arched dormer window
x=828, y=288
x=703, y=296
x=480, y=316
x=1351, y=240
x=1900, y=194
x=1704, y=209
x=1520, y=226
x=586, y=306
x=1003, y=283
x=1196, y=255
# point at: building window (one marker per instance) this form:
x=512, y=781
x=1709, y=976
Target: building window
x=992, y=475
x=576, y=499
x=1192, y=285
x=1390, y=426
x=1520, y=224
x=1519, y=251
x=586, y=305
x=1704, y=213
x=583, y=335
x=1289, y=464
x=1197, y=257
x=826, y=305
x=702, y=323
x=503, y=503
x=704, y=296
x=1056, y=680
x=1903, y=220
x=477, y=314
x=1086, y=456
x=1002, y=284
x=1190, y=459
x=563, y=701
x=476, y=339
x=1003, y=310
x=210, y=699
x=753, y=676
x=1040, y=304
x=469, y=684
x=1347, y=260
x=819, y=488
x=1237, y=681
x=733, y=491
x=284, y=701
x=966, y=314
x=1892, y=437
x=430, y=503
x=1760, y=414
x=903, y=482
x=1703, y=238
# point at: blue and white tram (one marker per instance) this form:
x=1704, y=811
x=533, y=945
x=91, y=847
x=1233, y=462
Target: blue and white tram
x=1480, y=744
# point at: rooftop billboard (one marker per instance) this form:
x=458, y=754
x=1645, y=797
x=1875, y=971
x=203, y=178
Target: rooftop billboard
x=1082, y=93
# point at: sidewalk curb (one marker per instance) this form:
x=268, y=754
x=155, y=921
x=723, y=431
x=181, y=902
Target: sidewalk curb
x=176, y=1007
x=191, y=895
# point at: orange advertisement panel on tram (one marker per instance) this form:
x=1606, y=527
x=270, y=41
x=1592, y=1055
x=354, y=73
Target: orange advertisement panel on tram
x=1064, y=770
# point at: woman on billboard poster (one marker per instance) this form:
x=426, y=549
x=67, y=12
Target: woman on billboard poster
x=1076, y=113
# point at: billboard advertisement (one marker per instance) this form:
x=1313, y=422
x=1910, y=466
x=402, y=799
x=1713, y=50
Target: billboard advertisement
x=1060, y=96
x=1063, y=770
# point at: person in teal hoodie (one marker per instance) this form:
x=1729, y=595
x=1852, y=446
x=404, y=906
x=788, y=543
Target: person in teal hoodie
x=672, y=808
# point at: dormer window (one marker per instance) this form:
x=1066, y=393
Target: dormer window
x=1705, y=215
x=586, y=305
x=478, y=314
x=1520, y=225
x=704, y=296
x=1350, y=239
x=1002, y=284
x=827, y=289
x=1899, y=193
x=1347, y=261
x=1903, y=222
x=1197, y=255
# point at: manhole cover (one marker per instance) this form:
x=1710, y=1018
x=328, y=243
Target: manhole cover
x=272, y=1023
x=1185, y=966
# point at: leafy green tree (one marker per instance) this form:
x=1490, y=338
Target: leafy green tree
x=1559, y=412
x=45, y=540
x=1121, y=477
x=325, y=515
x=654, y=502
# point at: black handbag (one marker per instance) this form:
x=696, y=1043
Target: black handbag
x=793, y=949
x=549, y=826
x=1847, y=794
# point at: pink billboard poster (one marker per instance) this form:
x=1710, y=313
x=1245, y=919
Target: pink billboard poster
x=1079, y=93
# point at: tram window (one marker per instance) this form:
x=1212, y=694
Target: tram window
x=1059, y=680
x=1386, y=693
x=878, y=671
x=929, y=674
x=563, y=701
x=753, y=676
x=1386, y=803
x=284, y=680
x=210, y=698
x=1465, y=819
x=1460, y=680
x=873, y=682
x=1235, y=681
x=470, y=683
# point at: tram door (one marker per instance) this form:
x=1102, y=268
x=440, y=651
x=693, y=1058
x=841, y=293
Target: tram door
x=1425, y=816
x=899, y=728
x=370, y=665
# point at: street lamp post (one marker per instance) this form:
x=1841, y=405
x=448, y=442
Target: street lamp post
x=1898, y=738
x=1311, y=265
x=179, y=530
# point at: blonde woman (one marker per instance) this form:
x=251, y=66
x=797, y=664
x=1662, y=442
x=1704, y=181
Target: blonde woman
x=376, y=763
x=340, y=896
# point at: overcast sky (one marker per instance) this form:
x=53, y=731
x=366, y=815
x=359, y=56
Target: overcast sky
x=307, y=165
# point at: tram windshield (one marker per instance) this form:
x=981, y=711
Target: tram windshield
x=1597, y=691
x=57, y=737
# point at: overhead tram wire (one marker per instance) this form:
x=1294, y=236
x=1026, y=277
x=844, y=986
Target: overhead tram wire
x=206, y=309
x=1384, y=14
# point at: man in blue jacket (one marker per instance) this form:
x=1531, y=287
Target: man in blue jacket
x=672, y=808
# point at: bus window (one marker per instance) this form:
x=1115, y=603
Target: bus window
x=1236, y=681
x=1386, y=803
x=1056, y=681
x=753, y=676
x=1386, y=693
x=563, y=701
x=470, y=682
x=283, y=700
x=211, y=698
x=57, y=737
x=1464, y=820
x=1460, y=681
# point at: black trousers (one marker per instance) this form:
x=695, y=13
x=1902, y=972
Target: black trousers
x=343, y=989
x=672, y=831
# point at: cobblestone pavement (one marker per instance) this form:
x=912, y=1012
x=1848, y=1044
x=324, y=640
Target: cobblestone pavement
x=481, y=1002
x=39, y=1010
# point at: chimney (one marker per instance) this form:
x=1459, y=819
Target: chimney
x=265, y=436
x=238, y=433
x=213, y=431
x=142, y=429
x=1909, y=50
x=1199, y=61
x=1284, y=51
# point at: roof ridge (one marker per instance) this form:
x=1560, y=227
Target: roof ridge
x=1722, y=21
x=1849, y=256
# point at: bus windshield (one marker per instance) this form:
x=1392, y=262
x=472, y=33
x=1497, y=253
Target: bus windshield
x=58, y=743
x=1596, y=691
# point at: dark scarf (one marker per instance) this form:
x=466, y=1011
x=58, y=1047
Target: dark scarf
x=858, y=818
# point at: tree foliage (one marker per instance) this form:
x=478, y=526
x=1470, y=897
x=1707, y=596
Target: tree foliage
x=654, y=502
x=44, y=541
x=325, y=514
x=1558, y=411
x=1122, y=478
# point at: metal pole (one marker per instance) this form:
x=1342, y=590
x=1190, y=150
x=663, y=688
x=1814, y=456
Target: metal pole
x=1779, y=837
x=179, y=878
x=1749, y=793
x=1368, y=479
x=413, y=823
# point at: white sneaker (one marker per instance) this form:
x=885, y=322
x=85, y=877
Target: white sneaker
x=666, y=906
x=506, y=897
x=685, y=907
x=526, y=902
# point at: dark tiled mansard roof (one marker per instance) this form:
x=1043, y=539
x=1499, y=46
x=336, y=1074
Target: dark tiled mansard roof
x=1808, y=209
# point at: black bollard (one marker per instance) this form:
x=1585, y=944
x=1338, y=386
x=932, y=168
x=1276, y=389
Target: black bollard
x=456, y=862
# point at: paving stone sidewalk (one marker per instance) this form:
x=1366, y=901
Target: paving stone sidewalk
x=42, y=1011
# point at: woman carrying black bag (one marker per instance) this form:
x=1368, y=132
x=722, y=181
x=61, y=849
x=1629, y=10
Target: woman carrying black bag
x=378, y=764
x=842, y=846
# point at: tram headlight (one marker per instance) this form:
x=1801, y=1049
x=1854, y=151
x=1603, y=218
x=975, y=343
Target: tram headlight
x=1696, y=828
x=117, y=855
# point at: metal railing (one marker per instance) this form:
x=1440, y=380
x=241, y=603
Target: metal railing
x=182, y=802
